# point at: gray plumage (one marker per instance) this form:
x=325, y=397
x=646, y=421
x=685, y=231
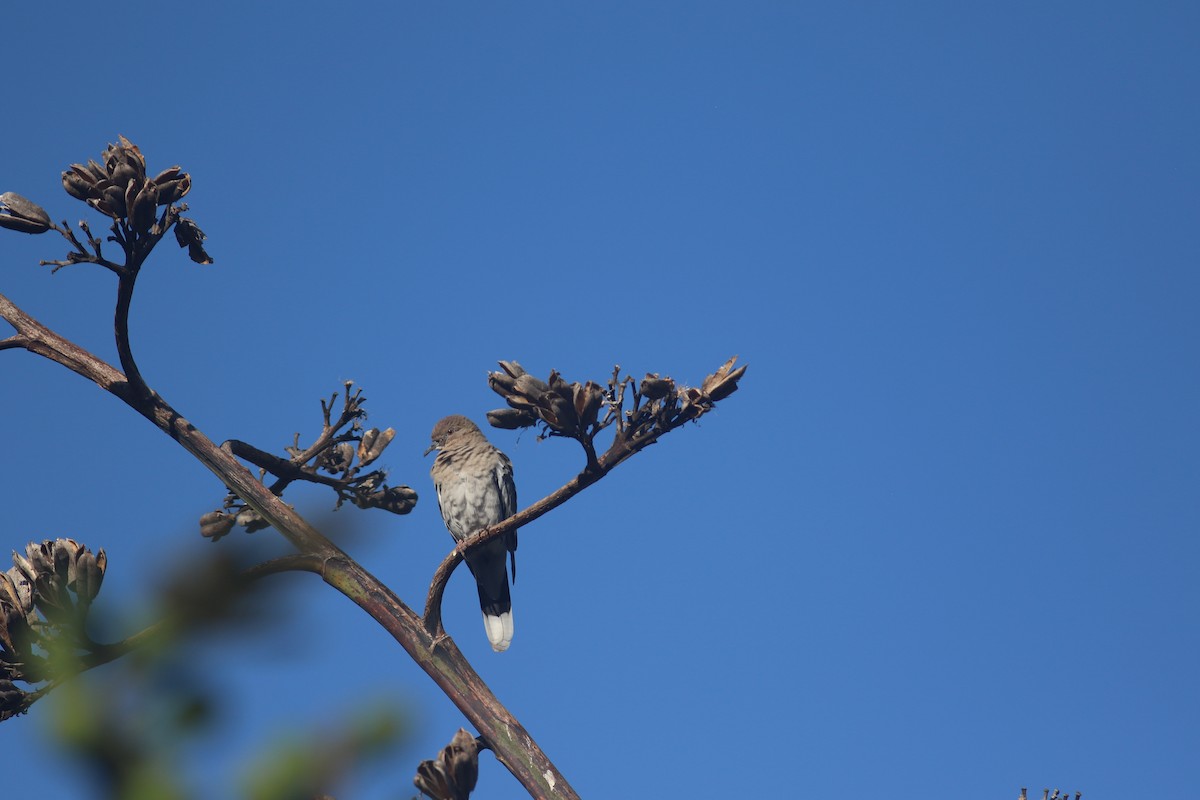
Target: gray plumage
x=475, y=489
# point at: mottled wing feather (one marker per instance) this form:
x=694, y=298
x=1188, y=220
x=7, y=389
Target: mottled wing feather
x=507, y=489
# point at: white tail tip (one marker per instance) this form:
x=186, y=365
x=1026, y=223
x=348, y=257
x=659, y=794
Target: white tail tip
x=499, y=630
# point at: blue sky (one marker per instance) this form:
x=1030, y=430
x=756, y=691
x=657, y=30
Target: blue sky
x=944, y=538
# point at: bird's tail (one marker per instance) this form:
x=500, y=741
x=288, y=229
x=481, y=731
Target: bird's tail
x=491, y=578
x=499, y=629
x=497, y=617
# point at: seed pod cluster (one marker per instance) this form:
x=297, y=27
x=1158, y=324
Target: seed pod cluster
x=570, y=409
x=453, y=774
x=120, y=187
x=59, y=569
x=55, y=581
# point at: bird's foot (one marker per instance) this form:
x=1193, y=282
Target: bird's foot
x=438, y=638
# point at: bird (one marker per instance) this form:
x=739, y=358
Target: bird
x=475, y=489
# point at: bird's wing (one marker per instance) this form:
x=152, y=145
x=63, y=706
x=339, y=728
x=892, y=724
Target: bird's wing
x=505, y=485
x=503, y=476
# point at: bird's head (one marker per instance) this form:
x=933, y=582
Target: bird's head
x=448, y=429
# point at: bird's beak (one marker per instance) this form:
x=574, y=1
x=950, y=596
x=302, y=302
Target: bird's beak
x=430, y=449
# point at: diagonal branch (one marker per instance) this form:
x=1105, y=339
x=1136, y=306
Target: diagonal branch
x=438, y=656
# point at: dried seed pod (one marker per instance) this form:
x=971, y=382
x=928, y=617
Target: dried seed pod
x=656, y=388
x=12, y=700
x=144, y=209
x=125, y=154
x=113, y=196
x=124, y=174
x=502, y=384
x=88, y=575
x=692, y=402
x=16, y=591
x=559, y=413
x=453, y=775
x=168, y=174
x=250, y=519
x=513, y=369
x=337, y=458
x=19, y=214
x=25, y=570
x=76, y=186
x=588, y=399
x=529, y=388
x=396, y=499
x=22, y=225
x=22, y=207
x=510, y=419
x=723, y=382
x=97, y=172
x=373, y=443
x=216, y=524
x=463, y=762
x=197, y=253
x=399, y=499
x=433, y=782
x=173, y=191
x=189, y=235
